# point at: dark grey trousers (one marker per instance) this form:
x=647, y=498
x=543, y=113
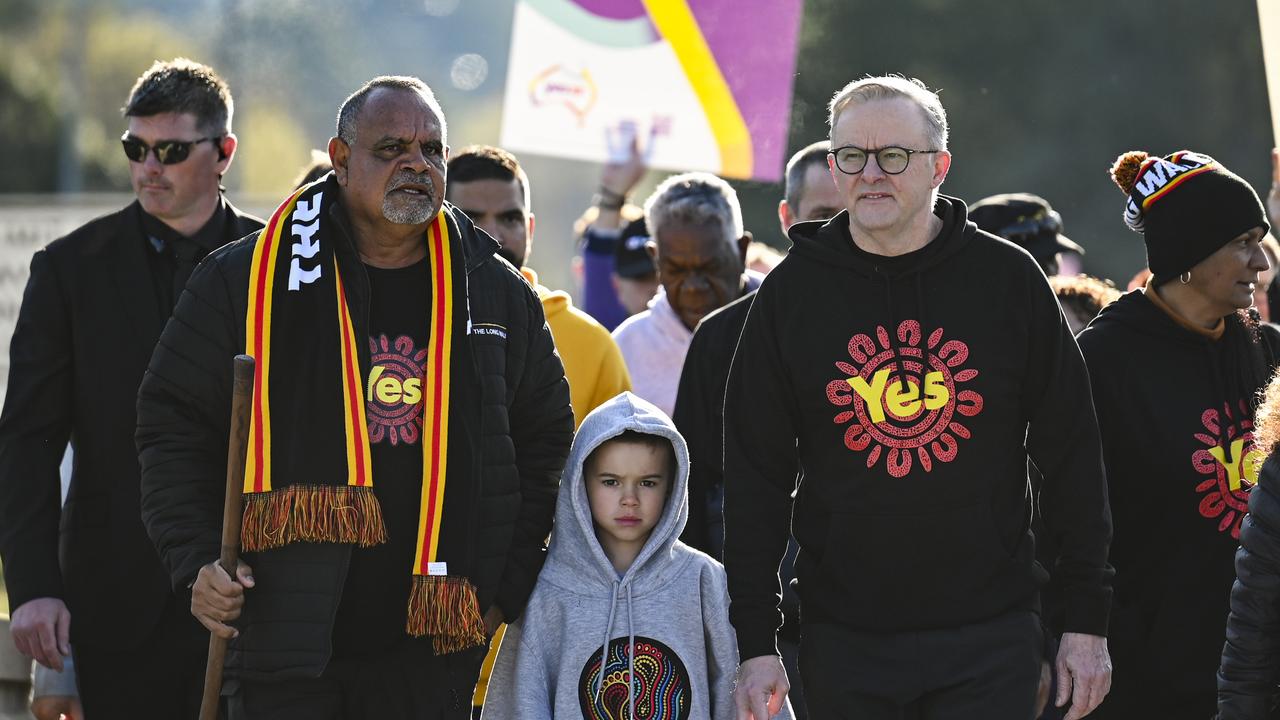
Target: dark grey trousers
x=401, y=684
x=988, y=670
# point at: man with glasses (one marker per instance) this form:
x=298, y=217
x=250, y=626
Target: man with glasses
x=909, y=364
x=87, y=580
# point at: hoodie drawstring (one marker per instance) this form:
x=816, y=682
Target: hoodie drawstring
x=1220, y=397
x=924, y=332
x=631, y=645
x=900, y=364
x=896, y=342
x=604, y=650
x=631, y=659
x=1226, y=383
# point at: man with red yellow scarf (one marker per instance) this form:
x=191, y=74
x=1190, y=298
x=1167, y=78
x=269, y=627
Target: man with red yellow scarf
x=409, y=422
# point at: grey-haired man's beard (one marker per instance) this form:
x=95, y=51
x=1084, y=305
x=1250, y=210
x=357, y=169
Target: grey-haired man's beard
x=405, y=209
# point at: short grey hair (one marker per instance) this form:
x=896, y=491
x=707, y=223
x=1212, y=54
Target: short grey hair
x=888, y=87
x=351, y=107
x=696, y=198
x=812, y=154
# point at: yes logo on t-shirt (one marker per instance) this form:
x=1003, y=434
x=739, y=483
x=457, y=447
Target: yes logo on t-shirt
x=1230, y=468
x=393, y=393
x=916, y=417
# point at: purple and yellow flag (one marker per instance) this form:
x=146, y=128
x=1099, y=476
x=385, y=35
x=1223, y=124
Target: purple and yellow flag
x=708, y=82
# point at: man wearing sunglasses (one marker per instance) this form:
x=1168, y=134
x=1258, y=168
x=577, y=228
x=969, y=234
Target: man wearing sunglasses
x=85, y=579
x=910, y=364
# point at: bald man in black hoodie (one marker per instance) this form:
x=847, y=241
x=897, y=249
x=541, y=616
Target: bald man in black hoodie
x=910, y=364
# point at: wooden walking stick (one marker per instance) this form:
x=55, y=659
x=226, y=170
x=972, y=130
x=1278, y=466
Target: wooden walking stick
x=241, y=393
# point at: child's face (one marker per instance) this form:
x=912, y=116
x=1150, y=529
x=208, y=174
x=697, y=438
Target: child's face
x=627, y=486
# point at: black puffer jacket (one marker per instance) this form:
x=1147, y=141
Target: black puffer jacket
x=519, y=435
x=1249, y=679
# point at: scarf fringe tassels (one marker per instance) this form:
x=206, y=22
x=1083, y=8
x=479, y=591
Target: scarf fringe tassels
x=445, y=608
x=312, y=513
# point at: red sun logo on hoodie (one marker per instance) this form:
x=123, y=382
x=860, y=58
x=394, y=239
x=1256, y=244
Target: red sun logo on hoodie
x=1230, y=469
x=910, y=417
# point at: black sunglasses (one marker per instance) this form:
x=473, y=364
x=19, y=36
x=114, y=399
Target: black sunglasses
x=168, y=152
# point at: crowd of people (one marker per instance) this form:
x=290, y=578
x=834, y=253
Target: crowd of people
x=918, y=468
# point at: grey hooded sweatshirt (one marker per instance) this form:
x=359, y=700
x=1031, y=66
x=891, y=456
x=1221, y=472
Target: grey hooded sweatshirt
x=671, y=608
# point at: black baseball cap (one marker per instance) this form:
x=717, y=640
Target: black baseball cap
x=1026, y=220
x=631, y=258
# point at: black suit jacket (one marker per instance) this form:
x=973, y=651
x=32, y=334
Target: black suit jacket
x=89, y=321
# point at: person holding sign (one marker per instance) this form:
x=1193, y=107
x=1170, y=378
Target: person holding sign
x=409, y=425
x=908, y=364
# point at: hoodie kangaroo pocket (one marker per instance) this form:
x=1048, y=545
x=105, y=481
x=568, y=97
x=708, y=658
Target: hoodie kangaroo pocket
x=913, y=571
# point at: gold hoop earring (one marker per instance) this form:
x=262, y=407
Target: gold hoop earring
x=1185, y=277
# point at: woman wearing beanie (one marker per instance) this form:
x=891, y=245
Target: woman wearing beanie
x=1247, y=682
x=1176, y=368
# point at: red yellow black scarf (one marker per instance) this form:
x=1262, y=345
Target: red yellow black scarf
x=308, y=475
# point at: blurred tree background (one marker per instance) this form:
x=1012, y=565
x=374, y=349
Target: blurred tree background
x=1041, y=95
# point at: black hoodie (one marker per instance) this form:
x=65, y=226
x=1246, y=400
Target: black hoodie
x=1162, y=391
x=911, y=514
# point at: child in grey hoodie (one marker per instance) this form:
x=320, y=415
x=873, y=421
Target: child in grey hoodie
x=625, y=621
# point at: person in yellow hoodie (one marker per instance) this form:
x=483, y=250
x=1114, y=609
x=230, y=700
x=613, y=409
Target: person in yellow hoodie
x=488, y=184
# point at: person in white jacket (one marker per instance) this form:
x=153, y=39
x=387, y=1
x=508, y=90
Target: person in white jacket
x=700, y=247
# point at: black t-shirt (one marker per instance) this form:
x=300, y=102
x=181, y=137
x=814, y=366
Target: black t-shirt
x=371, y=616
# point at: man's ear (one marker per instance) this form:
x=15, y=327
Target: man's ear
x=785, y=217
x=743, y=242
x=226, y=150
x=339, y=157
x=941, y=166
x=652, y=247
